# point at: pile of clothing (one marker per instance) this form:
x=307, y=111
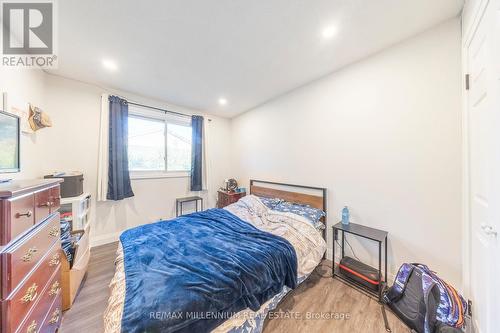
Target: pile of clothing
x=69, y=241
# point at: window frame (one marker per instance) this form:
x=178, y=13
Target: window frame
x=165, y=118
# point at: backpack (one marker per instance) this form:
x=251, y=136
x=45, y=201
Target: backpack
x=424, y=301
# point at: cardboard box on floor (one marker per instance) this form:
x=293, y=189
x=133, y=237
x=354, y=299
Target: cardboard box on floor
x=72, y=278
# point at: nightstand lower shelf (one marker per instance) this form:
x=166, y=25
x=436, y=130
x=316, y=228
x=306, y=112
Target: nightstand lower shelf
x=338, y=274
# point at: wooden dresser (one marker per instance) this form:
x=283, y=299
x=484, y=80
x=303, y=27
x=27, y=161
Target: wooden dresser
x=30, y=256
x=225, y=198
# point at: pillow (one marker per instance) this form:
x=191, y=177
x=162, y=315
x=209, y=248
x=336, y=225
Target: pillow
x=310, y=213
x=270, y=202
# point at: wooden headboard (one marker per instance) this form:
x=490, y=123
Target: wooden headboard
x=268, y=189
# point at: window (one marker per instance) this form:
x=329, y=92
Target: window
x=158, y=144
x=178, y=147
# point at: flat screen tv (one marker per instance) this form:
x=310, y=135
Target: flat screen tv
x=9, y=143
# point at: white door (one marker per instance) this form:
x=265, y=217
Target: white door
x=483, y=146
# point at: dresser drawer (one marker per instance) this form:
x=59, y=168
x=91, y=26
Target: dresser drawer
x=18, y=216
x=46, y=202
x=20, y=302
x=46, y=314
x=222, y=200
x=31, y=325
x=55, y=198
x=42, y=205
x=227, y=198
x=53, y=319
x=19, y=259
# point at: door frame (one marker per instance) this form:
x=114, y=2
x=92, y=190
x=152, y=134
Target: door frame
x=468, y=34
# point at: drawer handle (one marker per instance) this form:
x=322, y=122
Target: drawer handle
x=54, y=290
x=54, y=232
x=29, y=213
x=55, y=317
x=32, y=327
x=31, y=294
x=47, y=204
x=29, y=254
x=55, y=260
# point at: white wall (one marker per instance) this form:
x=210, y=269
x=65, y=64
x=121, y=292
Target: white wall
x=23, y=87
x=384, y=136
x=75, y=109
x=72, y=144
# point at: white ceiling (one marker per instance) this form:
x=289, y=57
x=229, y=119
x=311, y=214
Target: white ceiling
x=192, y=52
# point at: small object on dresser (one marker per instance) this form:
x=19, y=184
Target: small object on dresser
x=226, y=198
x=231, y=184
x=72, y=185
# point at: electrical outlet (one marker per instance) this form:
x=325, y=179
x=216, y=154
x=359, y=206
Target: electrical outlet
x=469, y=307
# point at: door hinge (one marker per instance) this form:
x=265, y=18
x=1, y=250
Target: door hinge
x=467, y=81
x=469, y=308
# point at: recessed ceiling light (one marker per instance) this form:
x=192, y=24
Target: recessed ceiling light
x=222, y=101
x=329, y=32
x=109, y=64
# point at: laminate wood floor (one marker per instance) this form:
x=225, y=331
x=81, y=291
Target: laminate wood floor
x=86, y=314
x=320, y=304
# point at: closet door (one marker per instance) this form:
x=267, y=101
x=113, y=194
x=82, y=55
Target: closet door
x=482, y=167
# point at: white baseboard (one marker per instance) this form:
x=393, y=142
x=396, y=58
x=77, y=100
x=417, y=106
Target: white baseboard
x=98, y=240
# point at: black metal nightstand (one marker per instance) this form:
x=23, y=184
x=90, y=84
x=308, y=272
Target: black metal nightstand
x=181, y=201
x=376, y=235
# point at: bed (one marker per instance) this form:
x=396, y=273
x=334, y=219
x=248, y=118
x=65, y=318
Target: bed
x=221, y=270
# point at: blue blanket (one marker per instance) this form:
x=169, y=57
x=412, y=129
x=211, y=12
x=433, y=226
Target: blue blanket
x=192, y=273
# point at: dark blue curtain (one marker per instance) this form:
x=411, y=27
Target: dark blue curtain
x=196, y=153
x=119, y=186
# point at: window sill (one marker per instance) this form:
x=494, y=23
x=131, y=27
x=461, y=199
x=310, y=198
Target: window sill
x=158, y=175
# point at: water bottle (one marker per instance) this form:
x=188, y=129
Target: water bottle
x=345, y=216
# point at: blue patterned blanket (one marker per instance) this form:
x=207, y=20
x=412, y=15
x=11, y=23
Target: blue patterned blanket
x=192, y=273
